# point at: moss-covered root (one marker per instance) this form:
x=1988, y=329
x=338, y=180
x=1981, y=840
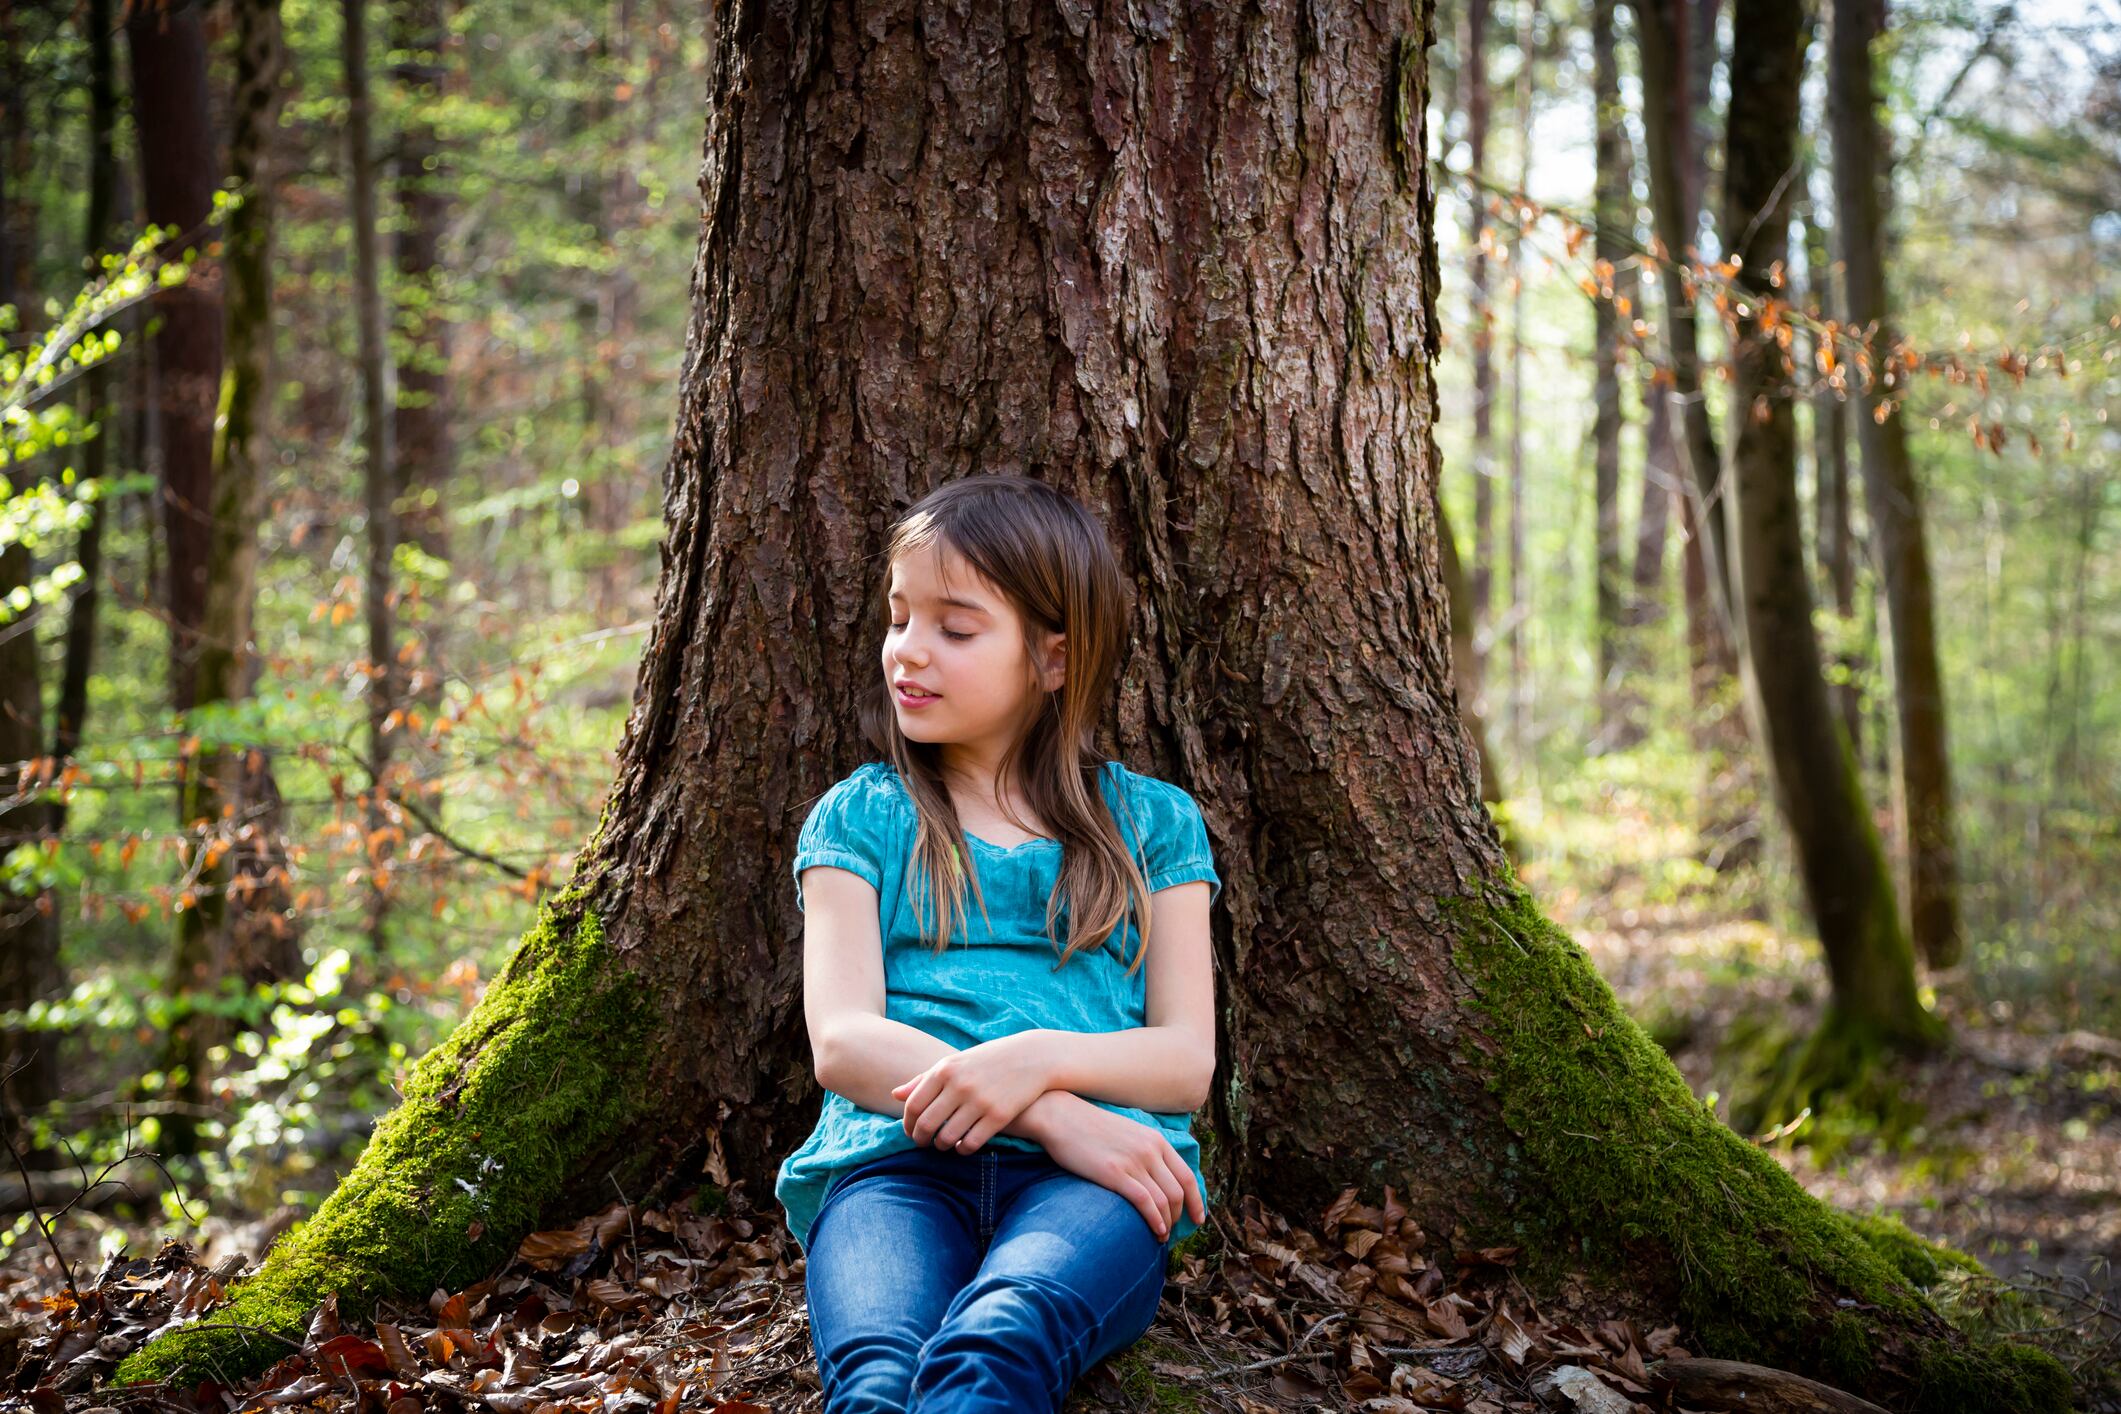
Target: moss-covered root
x=1836, y=1060
x=495, y=1119
x=1619, y=1172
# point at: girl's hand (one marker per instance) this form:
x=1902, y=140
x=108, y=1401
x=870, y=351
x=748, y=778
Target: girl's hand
x=969, y=1096
x=1132, y=1159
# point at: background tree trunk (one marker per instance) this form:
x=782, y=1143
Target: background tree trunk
x=1520, y=580
x=98, y=407
x=180, y=168
x=1892, y=494
x=218, y=812
x=1613, y=206
x=29, y=923
x=1831, y=535
x=1839, y=857
x=1480, y=576
x=379, y=466
x=422, y=445
x=1184, y=268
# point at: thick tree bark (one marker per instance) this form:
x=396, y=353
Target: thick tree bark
x=230, y=803
x=1892, y=493
x=1182, y=266
x=1839, y=857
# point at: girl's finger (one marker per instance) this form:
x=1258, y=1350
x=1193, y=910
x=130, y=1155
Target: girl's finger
x=1137, y=1191
x=1174, y=1193
x=1189, y=1189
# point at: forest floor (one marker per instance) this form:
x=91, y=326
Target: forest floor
x=2004, y=1146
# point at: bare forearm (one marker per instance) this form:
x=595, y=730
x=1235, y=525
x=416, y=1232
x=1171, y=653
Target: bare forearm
x=1156, y=1068
x=871, y=1055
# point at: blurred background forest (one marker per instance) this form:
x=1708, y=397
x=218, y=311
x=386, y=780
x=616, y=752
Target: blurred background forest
x=338, y=386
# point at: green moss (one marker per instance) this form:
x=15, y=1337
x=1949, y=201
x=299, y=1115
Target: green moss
x=2003, y=1375
x=494, y=1121
x=1617, y=1161
x=1914, y=1256
x=1846, y=1350
x=1194, y=1241
x=1145, y=1389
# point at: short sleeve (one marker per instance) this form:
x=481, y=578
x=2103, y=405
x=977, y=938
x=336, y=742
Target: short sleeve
x=1175, y=839
x=845, y=829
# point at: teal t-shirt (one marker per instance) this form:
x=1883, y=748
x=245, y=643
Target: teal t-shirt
x=1000, y=974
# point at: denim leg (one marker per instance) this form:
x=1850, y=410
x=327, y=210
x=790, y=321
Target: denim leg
x=1073, y=1274
x=888, y=1250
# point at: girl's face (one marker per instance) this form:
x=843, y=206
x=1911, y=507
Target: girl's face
x=957, y=637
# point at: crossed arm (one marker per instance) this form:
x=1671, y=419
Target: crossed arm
x=1164, y=1067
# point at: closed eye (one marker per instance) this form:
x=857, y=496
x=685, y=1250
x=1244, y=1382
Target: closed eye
x=946, y=633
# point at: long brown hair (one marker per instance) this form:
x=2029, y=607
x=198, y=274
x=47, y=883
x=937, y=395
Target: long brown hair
x=1044, y=550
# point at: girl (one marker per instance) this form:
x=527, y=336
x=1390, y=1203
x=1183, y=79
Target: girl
x=1004, y=1157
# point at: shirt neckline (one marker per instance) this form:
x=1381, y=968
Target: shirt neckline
x=987, y=844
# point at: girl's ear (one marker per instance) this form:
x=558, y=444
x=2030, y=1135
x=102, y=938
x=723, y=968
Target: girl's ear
x=1054, y=672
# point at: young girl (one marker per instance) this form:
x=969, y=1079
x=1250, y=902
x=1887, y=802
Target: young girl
x=1004, y=1157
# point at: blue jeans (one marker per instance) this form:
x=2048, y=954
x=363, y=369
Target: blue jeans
x=939, y=1281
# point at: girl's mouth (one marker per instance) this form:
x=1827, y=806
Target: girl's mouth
x=915, y=699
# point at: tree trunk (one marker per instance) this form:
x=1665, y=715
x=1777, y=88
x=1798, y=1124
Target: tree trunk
x=1677, y=46
x=98, y=408
x=1184, y=268
x=1520, y=580
x=1614, y=234
x=1668, y=116
x=423, y=447
x=29, y=923
x=379, y=467
x=1844, y=870
x=1480, y=577
x=215, y=935
x=1892, y=494
x=180, y=168
x=1830, y=502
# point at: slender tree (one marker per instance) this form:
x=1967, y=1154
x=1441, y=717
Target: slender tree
x=423, y=445
x=1892, y=492
x=379, y=463
x=180, y=168
x=29, y=922
x=1874, y=1001
x=1393, y=1008
x=1613, y=232
x=1520, y=577
x=1480, y=577
x=227, y=931
x=98, y=405
x=1668, y=117
x=1831, y=534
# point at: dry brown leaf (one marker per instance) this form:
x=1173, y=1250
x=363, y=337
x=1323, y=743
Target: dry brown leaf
x=1444, y=1319
x=1510, y=1337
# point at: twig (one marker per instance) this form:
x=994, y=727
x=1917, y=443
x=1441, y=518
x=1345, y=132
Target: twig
x=7, y=1128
